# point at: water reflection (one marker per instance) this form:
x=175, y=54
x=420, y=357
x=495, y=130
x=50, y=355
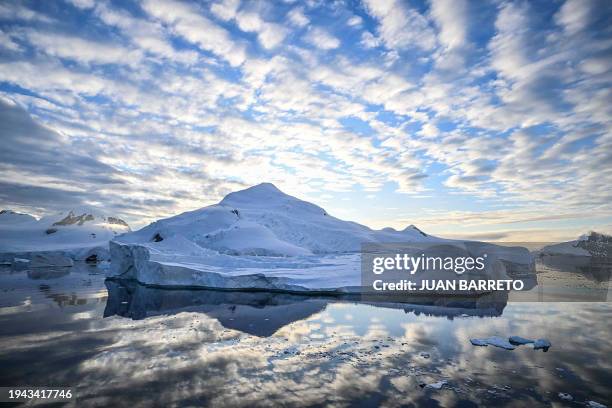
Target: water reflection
x=48, y=273
x=592, y=268
x=264, y=313
x=181, y=348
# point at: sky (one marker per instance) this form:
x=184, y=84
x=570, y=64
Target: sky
x=485, y=120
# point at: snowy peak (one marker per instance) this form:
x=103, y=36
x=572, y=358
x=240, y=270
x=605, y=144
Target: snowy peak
x=67, y=231
x=591, y=244
x=593, y=236
x=411, y=228
x=72, y=219
x=80, y=217
x=268, y=196
x=258, y=193
x=13, y=217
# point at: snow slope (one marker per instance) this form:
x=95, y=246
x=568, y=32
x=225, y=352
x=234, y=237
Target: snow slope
x=592, y=244
x=76, y=234
x=263, y=238
x=262, y=220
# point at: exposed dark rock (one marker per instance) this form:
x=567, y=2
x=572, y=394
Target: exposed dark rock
x=72, y=219
x=118, y=221
x=157, y=238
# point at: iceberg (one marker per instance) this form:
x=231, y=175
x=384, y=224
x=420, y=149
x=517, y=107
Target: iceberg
x=541, y=344
x=78, y=234
x=493, y=341
x=518, y=340
x=261, y=238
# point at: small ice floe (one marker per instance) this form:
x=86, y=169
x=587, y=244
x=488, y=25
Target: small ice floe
x=593, y=404
x=541, y=344
x=518, y=340
x=436, y=386
x=493, y=341
x=479, y=342
x=565, y=396
x=511, y=343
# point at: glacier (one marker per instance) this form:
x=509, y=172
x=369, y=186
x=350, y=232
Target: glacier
x=80, y=234
x=263, y=239
x=592, y=244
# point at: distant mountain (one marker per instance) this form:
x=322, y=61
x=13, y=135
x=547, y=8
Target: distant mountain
x=262, y=220
x=592, y=244
x=75, y=232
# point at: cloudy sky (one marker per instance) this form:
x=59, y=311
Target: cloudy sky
x=485, y=120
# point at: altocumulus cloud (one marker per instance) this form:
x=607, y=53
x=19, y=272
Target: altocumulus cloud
x=35, y=158
x=163, y=106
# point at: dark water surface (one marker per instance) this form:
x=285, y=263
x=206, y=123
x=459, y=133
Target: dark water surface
x=123, y=344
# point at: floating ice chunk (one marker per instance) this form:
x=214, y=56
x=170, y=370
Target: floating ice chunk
x=479, y=342
x=566, y=397
x=541, y=344
x=493, y=341
x=593, y=404
x=519, y=340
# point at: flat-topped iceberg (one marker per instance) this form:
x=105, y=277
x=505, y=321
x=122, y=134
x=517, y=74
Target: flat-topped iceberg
x=262, y=238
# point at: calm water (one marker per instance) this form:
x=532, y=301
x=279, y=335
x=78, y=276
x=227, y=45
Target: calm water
x=130, y=345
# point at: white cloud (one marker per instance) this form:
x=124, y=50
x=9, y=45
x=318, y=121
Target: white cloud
x=83, y=51
x=226, y=9
x=574, y=15
x=451, y=18
x=368, y=40
x=15, y=11
x=320, y=38
x=270, y=35
x=83, y=4
x=401, y=26
x=355, y=21
x=189, y=23
x=297, y=17
x=6, y=41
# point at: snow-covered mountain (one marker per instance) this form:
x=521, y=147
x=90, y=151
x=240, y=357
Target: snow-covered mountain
x=262, y=220
x=592, y=244
x=263, y=238
x=77, y=233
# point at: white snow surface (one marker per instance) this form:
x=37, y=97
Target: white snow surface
x=77, y=234
x=261, y=238
x=590, y=244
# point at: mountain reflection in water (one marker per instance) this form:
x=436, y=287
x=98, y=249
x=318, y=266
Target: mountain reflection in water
x=263, y=313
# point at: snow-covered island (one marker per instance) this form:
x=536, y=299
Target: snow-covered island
x=592, y=244
x=261, y=238
x=57, y=240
